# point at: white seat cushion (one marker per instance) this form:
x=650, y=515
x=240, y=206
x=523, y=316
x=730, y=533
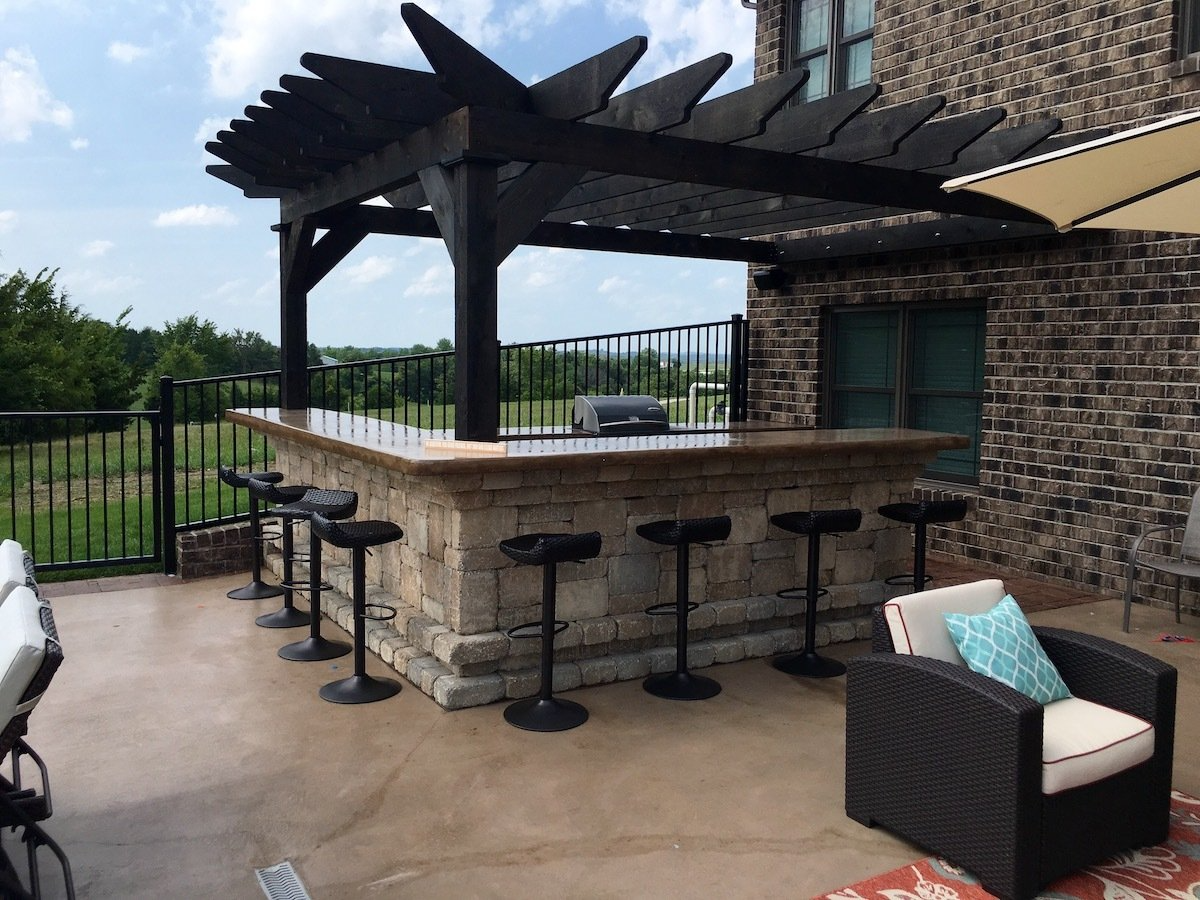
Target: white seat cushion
x=12, y=562
x=1084, y=742
x=22, y=647
x=916, y=621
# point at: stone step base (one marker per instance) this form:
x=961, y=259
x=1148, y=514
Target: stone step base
x=407, y=645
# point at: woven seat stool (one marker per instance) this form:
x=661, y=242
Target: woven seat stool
x=257, y=589
x=681, y=534
x=920, y=515
x=332, y=505
x=296, y=505
x=812, y=524
x=545, y=712
x=357, y=537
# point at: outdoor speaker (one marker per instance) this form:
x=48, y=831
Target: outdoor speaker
x=771, y=279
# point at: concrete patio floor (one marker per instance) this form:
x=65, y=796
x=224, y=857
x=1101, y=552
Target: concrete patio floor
x=184, y=754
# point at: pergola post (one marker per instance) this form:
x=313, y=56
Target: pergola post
x=476, y=345
x=295, y=248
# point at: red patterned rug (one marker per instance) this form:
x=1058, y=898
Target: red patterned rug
x=1169, y=871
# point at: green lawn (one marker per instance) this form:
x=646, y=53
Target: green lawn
x=80, y=498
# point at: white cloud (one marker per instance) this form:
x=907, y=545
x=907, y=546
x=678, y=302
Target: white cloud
x=682, y=32
x=124, y=52
x=95, y=249
x=80, y=143
x=436, y=281
x=89, y=282
x=257, y=40
x=199, y=214
x=8, y=220
x=209, y=127
x=25, y=99
x=371, y=269
x=612, y=285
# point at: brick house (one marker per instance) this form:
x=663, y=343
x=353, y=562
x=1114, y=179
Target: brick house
x=1073, y=361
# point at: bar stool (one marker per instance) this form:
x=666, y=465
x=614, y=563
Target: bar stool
x=681, y=534
x=332, y=505
x=289, y=512
x=257, y=589
x=813, y=524
x=921, y=514
x=545, y=712
x=357, y=537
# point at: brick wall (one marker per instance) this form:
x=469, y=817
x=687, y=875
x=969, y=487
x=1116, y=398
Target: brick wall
x=1093, y=346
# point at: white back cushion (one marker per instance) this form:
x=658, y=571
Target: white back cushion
x=22, y=646
x=916, y=624
x=12, y=562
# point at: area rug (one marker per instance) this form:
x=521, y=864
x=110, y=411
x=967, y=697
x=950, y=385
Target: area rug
x=1169, y=871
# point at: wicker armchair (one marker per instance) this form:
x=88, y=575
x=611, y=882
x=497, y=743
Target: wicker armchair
x=952, y=760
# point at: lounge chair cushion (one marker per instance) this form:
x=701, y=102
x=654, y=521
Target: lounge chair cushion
x=12, y=562
x=1000, y=644
x=1083, y=742
x=918, y=626
x=22, y=647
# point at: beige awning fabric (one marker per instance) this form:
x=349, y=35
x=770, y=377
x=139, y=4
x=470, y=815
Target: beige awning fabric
x=1145, y=179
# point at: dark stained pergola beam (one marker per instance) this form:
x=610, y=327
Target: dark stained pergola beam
x=909, y=236
x=420, y=223
x=386, y=92
x=244, y=183
x=596, y=77
x=827, y=125
x=660, y=156
x=328, y=128
x=289, y=143
x=999, y=146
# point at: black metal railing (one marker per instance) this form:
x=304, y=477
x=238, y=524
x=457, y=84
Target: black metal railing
x=152, y=474
x=81, y=489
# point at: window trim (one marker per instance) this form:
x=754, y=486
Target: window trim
x=1189, y=19
x=902, y=392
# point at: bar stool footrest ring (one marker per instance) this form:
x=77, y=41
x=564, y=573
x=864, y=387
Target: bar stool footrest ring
x=799, y=593
x=559, y=627
x=907, y=578
x=669, y=609
x=386, y=615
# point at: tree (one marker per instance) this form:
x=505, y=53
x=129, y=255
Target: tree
x=53, y=356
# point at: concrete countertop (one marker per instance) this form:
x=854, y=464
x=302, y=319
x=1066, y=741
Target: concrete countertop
x=420, y=451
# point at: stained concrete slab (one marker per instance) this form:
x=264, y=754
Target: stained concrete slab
x=184, y=753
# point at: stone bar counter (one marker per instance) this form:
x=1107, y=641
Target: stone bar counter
x=456, y=593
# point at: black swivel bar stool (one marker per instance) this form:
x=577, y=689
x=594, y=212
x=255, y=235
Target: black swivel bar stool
x=357, y=537
x=332, y=505
x=545, y=712
x=295, y=505
x=257, y=589
x=813, y=524
x=681, y=534
x=920, y=515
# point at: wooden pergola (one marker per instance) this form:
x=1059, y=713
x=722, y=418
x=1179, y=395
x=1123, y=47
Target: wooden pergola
x=470, y=154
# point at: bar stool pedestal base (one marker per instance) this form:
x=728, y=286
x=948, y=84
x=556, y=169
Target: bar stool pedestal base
x=256, y=590
x=538, y=714
x=809, y=665
x=313, y=649
x=359, y=689
x=681, y=686
x=287, y=617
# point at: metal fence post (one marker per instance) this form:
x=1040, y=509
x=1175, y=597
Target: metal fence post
x=739, y=343
x=166, y=413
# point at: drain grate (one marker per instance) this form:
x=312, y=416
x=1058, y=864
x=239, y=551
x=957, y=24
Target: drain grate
x=280, y=882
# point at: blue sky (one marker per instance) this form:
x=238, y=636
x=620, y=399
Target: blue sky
x=105, y=108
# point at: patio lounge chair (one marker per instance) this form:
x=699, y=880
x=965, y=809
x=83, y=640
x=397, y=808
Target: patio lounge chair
x=30, y=653
x=1016, y=792
x=1186, y=565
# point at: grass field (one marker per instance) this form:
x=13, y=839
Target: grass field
x=81, y=498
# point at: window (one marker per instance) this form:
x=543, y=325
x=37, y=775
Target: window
x=832, y=39
x=1189, y=27
x=916, y=366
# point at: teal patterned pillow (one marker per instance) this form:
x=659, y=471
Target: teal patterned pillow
x=1000, y=644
